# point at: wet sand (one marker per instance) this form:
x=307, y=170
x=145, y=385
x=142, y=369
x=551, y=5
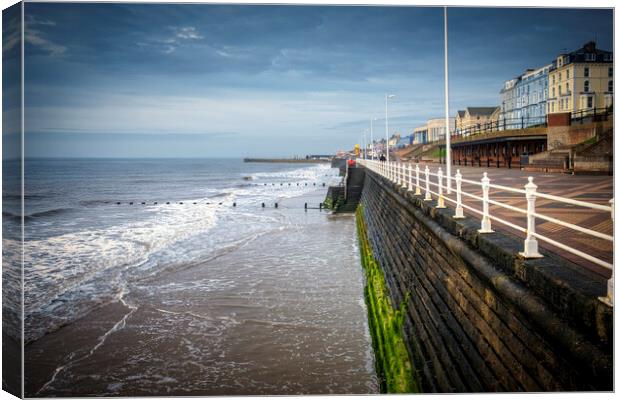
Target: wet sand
x=281, y=313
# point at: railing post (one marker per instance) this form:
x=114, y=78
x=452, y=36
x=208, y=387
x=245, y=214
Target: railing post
x=396, y=172
x=459, y=206
x=609, y=300
x=417, y=180
x=399, y=175
x=427, y=195
x=410, y=183
x=440, y=201
x=404, y=177
x=530, y=247
x=485, y=226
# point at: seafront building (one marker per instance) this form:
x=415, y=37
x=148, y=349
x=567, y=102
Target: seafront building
x=394, y=140
x=508, y=108
x=524, y=99
x=404, y=141
x=581, y=81
x=436, y=128
x=420, y=135
x=474, y=118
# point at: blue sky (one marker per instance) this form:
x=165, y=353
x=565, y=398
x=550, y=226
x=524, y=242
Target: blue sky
x=114, y=80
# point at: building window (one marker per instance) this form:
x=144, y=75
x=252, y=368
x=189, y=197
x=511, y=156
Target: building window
x=567, y=74
x=567, y=88
x=590, y=57
x=610, y=73
x=586, y=72
x=553, y=92
x=586, y=86
x=610, y=86
x=589, y=101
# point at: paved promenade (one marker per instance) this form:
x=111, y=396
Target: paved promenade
x=593, y=189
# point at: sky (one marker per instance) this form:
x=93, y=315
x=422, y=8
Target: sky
x=190, y=80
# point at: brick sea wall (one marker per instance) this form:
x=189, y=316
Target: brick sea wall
x=478, y=318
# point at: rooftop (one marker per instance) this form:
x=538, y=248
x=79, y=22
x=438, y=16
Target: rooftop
x=484, y=111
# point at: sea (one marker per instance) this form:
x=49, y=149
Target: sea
x=183, y=277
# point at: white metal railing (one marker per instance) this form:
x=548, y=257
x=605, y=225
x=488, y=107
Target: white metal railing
x=402, y=174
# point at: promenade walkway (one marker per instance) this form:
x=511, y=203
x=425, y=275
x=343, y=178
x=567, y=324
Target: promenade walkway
x=593, y=189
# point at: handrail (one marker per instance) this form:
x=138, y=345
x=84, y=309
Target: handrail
x=421, y=182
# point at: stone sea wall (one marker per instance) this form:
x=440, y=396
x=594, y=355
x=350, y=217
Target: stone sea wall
x=476, y=317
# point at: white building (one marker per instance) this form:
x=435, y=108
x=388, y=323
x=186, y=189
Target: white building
x=436, y=128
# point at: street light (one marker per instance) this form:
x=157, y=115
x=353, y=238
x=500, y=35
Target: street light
x=365, y=144
x=372, y=141
x=387, y=139
x=447, y=105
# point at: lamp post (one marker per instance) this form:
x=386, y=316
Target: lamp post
x=365, y=144
x=447, y=106
x=387, y=139
x=372, y=141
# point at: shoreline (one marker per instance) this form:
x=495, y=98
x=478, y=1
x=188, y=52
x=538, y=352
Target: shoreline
x=110, y=321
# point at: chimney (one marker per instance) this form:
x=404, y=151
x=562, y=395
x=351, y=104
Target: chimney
x=590, y=47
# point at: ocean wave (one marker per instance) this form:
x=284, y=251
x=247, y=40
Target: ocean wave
x=47, y=213
x=70, y=274
x=18, y=196
x=40, y=214
x=66, y=275
x=303, y=173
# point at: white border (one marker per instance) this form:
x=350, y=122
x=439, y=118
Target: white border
x=478, y=3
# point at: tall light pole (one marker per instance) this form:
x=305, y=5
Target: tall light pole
x=372, y=141
x=387, y=138
x=365, y=144
x=447, y=106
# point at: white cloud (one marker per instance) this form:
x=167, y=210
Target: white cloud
x=180, y=36
x=31, y=36
x=35, y=38
x=187, y=33
x=279, y=113
x=34, y=20
x=11, y=35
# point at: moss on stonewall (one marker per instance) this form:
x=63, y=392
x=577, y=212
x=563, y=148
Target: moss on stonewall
x=392, y=361
x=332, y=204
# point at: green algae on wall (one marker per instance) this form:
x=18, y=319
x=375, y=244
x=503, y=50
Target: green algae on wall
x=385, y=323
